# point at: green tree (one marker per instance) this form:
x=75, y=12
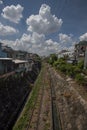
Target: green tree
x=52, y=58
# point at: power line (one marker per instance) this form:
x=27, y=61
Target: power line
x=4, y=4
x=61, y=7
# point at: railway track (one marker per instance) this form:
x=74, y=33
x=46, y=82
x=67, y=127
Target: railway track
x=57, y=97
x=35, y=118
x=56, y=122
x=35, y=114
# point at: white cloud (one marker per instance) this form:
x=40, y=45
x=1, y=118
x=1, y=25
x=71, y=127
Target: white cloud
x=64, y=38
x=83, y=37
x=44, y=22
x=51, y=47
x=37, y=43
x=7, y=30
x=13, y=13
x=66, y=42
x=1, y=2
x=34, y=43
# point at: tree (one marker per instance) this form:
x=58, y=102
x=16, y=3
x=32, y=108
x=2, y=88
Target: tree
x=52, y=58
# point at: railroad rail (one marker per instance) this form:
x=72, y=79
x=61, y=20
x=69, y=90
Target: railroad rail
x=40, y=97
x=56, y=122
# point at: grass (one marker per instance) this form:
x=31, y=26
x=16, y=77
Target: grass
x=23, y=120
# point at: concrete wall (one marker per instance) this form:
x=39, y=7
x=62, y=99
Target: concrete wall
x=2, y=54
x=14, y=91
x=1, y=68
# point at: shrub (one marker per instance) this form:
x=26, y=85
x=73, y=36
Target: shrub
x=62, y=68
x=52, y=59
x=70, y=70
x=77, y=69
x=80, y=78
x=81, y=64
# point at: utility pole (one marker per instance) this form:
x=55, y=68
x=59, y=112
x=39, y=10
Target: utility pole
x=85, y=59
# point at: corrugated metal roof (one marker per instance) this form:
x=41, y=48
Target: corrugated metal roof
x=19, y=61
x=1, y=58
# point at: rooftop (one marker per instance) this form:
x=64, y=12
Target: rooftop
x=82, y=43
x=19, y=61
x=5, y=58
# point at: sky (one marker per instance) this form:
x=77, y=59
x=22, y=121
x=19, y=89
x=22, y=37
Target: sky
x=43, y=26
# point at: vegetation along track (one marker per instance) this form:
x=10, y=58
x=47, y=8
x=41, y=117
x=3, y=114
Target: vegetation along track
x=55, y=113
x=34, y=118
x=38, y=119
x=37, y=113
x=54, y=105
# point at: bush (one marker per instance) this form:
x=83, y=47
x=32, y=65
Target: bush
x=52, y=59
x=80, y=78
x=63, y=68
x=81, y=64
x=77, y=69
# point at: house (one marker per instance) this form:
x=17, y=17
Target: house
x=80, y=49
x=81, y=52
x=18, y=61
x=20, y=65
x=2, y=53
x=85, y=59
x=15, y=54
x=5, y=65
x=66, y=53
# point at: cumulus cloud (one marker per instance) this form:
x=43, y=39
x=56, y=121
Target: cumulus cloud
x=66, y=42
x=64, y=38
x=34, y=43
x=44, y=22
x=83, y=37
x=39, y=25
x=13, y=13
x=7, y=30
x=37, y=43
x=51, y=47
x=1, y=2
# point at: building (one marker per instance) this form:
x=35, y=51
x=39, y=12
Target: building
x=22, y=65
x=2, y=53
x=80, y=49
x=66, y=53
x=85, y=59
x=14, y=54
x=14, y=60
x=81, y=52
x=5, y=65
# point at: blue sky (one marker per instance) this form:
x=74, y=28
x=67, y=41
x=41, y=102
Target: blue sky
x=43, y=26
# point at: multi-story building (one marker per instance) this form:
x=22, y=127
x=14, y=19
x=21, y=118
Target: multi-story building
x=80, y=49
x=2, y=54
x=81, y=52
x=5, y=63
